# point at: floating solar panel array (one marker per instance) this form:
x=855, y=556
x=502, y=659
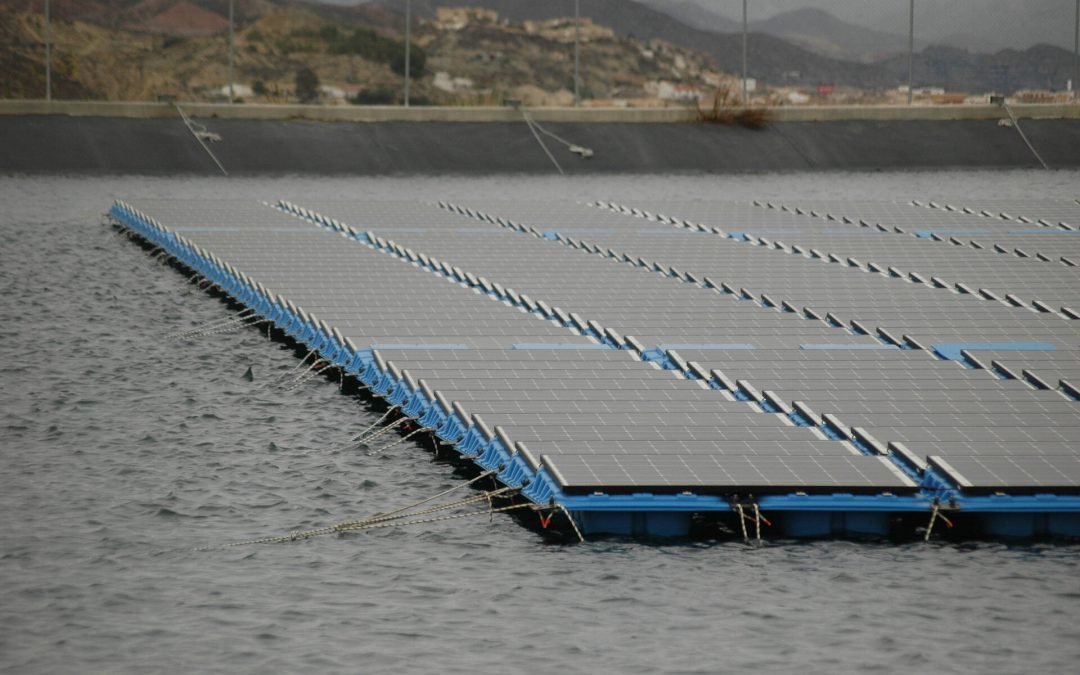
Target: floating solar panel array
x=837, y=364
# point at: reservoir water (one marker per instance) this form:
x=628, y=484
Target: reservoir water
x=120, y=451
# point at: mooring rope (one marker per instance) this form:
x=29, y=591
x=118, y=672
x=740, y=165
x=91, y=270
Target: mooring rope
x=460, y=486
x=298, y=536
x=209, y=325
x=390, y=519
x=292, y=381
x=933, y=517
x=385, y=430
x=1023, y=136
x=243, y=314
x=225, y=329
x=379, y=451
x=935, y=514
x=572, y=147
x=307, y=377
x=573, y=524
x=407, y=512
x=200, y=134
x=376, y=423
x=742, y=523
x=529, y=123
x=220, y=327
x=288, y=374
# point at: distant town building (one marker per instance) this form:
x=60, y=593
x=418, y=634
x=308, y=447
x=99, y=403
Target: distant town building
x=563, y=30
x=335, y=93
x=670, y=91
x=459, y=18
x=239, y=90
x=446, y=83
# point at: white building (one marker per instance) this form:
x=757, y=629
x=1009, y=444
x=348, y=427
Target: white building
x=239, y=90
x=445, y=82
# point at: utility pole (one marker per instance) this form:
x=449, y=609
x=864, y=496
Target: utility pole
x=1076, y=53
x=577, y=52
x=48, y=54
x=232, y=40
x=408, y=46
x=745, y=98
x=911, y=51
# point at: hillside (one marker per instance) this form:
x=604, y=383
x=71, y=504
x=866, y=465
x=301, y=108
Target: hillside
x=772, y=60
x=143, y=49
x=985, y=26
x=776, y=61
x=1039, y=67
x=351, y=50
x=821, y=32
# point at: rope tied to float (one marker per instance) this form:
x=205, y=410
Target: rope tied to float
x=757, y=519
x=378, y=451
x=333, y=529
x=935, y=514
x=288, y=374
x=312, y=374
x=224, y=327
x=391, y=518
x=374, y=424
x=573, y=523
x=366, y=440
x=211, y=325
x=292, y=383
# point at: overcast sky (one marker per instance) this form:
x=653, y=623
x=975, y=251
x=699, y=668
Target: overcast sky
x=1017, y=23
x=986, y=25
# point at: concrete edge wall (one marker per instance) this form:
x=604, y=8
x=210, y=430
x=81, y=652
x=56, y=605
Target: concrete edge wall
x=146, y=110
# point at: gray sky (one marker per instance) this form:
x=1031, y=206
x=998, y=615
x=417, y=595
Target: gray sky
x=982, y=25
x=999, y=23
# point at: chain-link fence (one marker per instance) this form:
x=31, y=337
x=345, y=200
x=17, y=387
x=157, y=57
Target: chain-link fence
x=616, y=53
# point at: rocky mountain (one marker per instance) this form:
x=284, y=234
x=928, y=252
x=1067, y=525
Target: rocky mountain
x=984, y=26
x=1044, y=67
x=772, y=60
x=355, y=52
x=822, y=33
x=808, y=47
x=142, y=48
x=693, y=14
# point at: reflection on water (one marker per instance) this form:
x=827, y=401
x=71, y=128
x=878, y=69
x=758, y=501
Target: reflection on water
x=118, y=448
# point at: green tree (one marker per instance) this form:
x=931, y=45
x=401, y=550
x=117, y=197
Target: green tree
x=307, y=85
x=417, y=61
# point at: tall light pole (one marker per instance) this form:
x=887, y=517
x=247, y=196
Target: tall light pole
x=408, y=46
x=232, y=45
x=577, y=52
x=745, y=88
x=48, y=54
x=910, y=51
x=1076, y=53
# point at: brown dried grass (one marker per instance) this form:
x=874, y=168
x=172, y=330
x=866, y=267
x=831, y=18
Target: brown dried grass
x=724, y=111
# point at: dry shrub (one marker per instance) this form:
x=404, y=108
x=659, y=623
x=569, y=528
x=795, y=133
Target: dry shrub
x=724, y=111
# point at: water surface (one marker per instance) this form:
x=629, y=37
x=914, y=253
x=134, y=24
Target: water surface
x=120, y=451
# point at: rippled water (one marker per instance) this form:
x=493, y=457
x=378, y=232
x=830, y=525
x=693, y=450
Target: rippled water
x=119, y=450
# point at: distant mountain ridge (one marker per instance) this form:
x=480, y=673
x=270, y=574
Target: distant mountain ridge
x=779, y=61
x=771, y=59
x=821, y=32
x=816, y=46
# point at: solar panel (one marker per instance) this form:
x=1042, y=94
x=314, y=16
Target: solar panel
x=847, y=308
x=726, y=474
x=1045, y=473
